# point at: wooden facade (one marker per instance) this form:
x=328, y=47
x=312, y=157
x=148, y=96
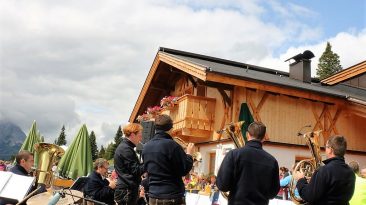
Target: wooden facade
x=210, y=100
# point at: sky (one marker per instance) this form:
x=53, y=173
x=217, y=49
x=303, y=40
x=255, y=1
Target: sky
x=84, y=62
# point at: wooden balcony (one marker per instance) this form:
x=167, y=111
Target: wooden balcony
x=193, y=118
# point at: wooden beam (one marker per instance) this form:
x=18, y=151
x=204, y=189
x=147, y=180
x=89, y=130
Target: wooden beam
x=276, y=89
x=224, y=96
x=256, y=108
x=217, y=85
x=198, y=71
x=190, y=78
x=334, y=120
x=346, y=74
x=318, y=118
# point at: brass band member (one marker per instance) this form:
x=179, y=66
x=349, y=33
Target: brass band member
x=24, y=163
x=98, y=187
x=333, y=183
x=166, y=164
x=128, y=167
x=249, y=173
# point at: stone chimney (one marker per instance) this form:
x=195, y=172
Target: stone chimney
x=301, y=68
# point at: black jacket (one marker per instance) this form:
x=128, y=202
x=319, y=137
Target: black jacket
x=127, y=166
x=250, y=174
x=98, y=188
x=166, y=164
x=333, y=184
x=17, y=169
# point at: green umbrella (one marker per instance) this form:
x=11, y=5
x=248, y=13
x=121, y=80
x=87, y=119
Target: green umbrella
x=30, y=141
x=77, y=161
x=246, y=116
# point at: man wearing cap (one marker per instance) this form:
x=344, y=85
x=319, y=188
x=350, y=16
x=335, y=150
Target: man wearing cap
x=166, y=163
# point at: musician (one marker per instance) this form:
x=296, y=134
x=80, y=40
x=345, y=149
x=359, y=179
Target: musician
x=98, y=187
x=128, y=167
x=24, y=163
x=249, y=173
x=166, y=164
x=332, y=183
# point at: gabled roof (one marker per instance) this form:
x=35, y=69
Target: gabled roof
x=346, y=74
x=211, y=69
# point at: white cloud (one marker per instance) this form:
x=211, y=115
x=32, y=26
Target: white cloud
x=349, y=46
x=75, y=62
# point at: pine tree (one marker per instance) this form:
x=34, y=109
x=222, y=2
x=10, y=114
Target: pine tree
x=117, y=140
x=109, y=152
x=42, y=139
x=101, y=152
x=61, y=140
x=329, y=63
x=94, y=147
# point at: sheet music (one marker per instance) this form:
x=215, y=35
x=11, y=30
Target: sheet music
x=4, y=178
x=16, y=186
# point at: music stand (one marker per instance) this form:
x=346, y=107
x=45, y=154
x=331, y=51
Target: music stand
x=79, y=183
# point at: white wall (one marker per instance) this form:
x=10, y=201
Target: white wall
x=284, y=155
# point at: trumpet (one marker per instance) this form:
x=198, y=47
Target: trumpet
x=196, y=155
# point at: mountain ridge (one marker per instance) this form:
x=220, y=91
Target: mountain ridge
x=11, y=139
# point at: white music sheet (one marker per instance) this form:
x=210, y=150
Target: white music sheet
x=14, y=186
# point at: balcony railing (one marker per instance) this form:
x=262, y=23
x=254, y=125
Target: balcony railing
x=193, y=118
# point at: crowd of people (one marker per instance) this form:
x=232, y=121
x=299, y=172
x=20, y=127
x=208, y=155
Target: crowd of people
x=5, y=165
x=250, y=174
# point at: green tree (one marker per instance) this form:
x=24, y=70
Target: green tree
x=329, y=63
x=101, y=152
x=109, y=152
x=117, y=140
x=61, y=140
x=93, y=144
x=42, y=139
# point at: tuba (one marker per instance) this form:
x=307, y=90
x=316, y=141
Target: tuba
x=307, y=166
x=234, y=132
x=196, y=156
x=47, y=156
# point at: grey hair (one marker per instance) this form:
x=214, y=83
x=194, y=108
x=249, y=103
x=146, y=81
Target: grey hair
x=99, y=163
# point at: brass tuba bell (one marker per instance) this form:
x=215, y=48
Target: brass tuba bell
x=234, y=132
x=47, y=156
x=307, y=166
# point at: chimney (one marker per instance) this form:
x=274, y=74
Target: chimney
x=301, y=68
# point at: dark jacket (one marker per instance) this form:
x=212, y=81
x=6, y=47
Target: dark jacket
x=166, y=164
x=17, y=169
x=250, y=174
x=127, y=166
x=98, y=188
x=333, y=184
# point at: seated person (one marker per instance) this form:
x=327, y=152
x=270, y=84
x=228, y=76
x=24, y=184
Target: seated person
x=98, y=187
x=24, y=162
